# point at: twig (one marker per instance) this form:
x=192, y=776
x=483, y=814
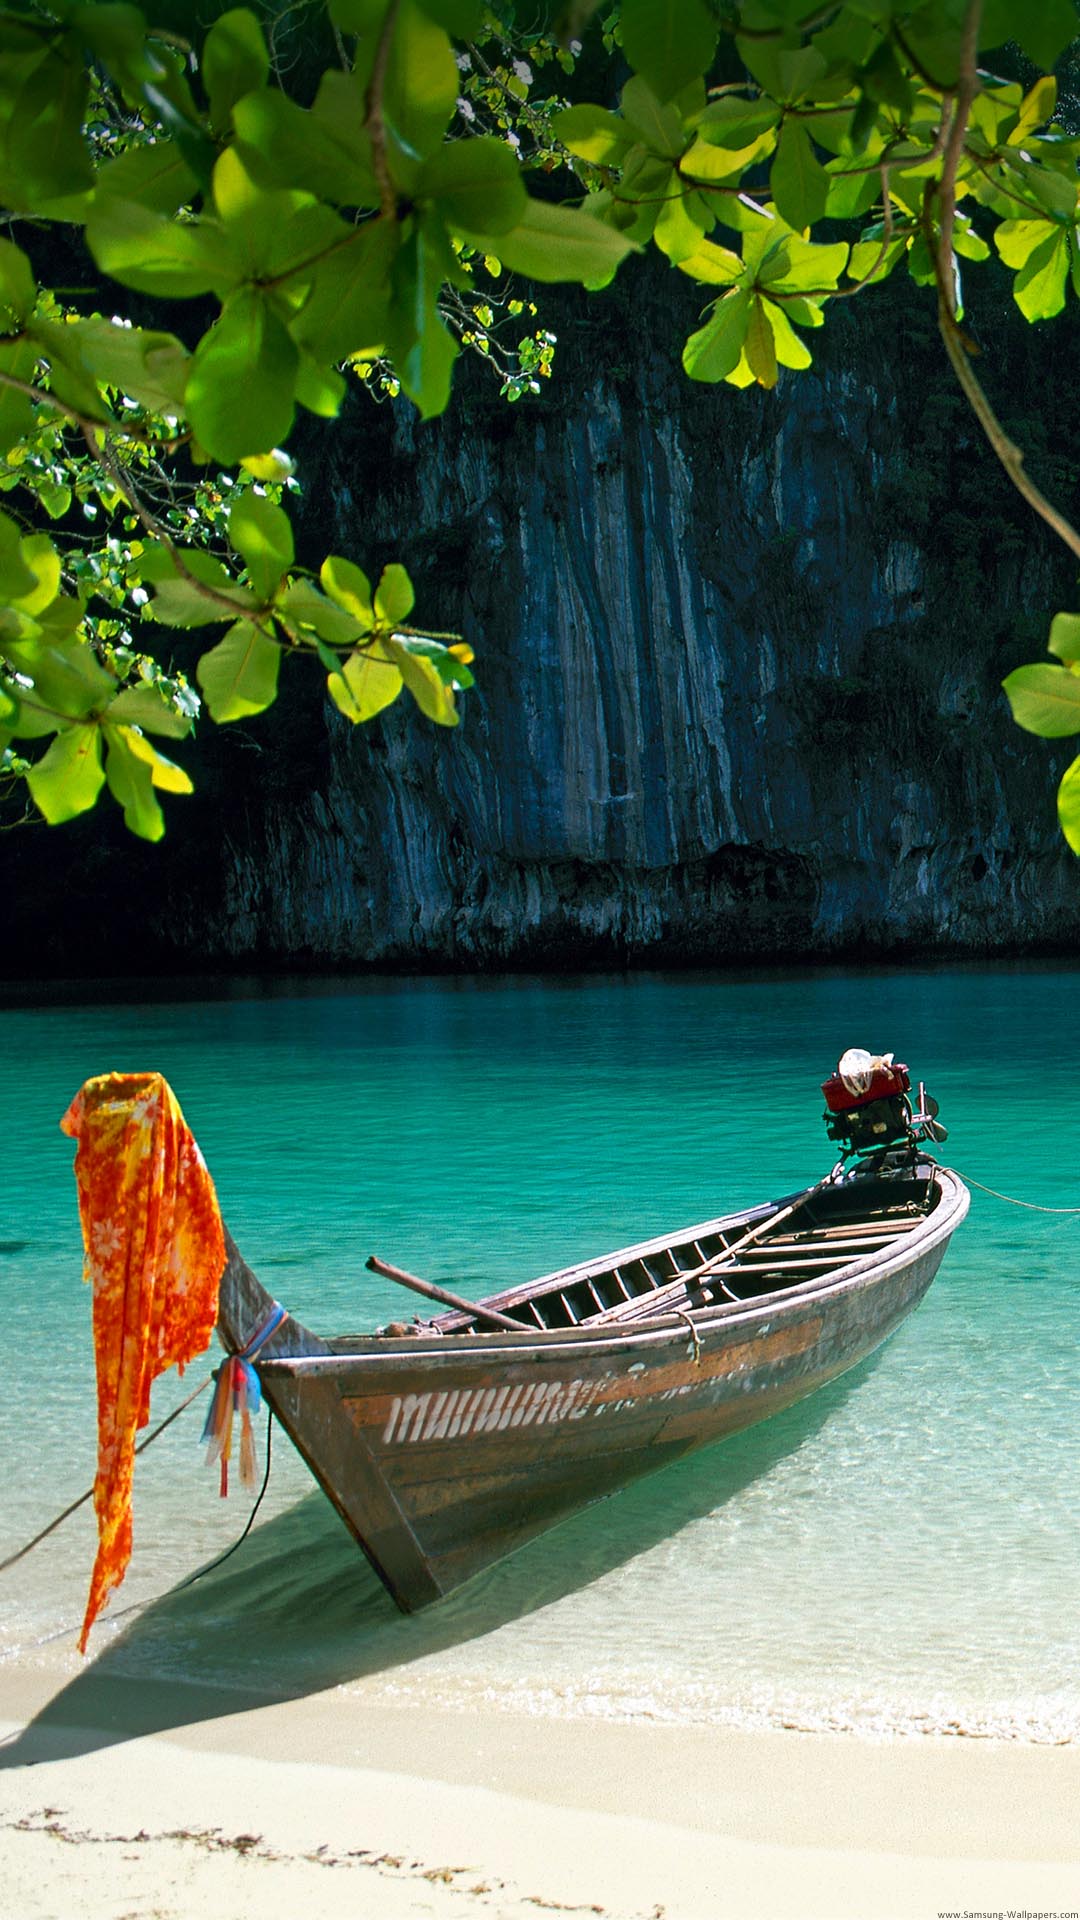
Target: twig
x=957, y=345
x=374, y=123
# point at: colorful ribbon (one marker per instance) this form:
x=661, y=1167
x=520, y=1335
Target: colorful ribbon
x=237, y=1391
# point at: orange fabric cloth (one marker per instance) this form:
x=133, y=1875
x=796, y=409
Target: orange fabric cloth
x=155, y=1252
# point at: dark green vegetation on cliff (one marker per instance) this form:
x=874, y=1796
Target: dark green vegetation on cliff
x=741, y=651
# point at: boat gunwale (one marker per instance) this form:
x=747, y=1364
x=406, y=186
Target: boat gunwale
x=377, y=1351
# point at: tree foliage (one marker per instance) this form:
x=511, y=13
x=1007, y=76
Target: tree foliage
x=217, y=224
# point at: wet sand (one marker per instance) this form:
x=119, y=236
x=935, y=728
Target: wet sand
x=122, y=1800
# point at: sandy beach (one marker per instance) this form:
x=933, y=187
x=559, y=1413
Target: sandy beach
x=123, y=1800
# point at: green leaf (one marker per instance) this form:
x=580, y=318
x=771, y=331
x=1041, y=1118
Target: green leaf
x=153, y=254
x=163, y=772
x=16, y=575
x=324, y=150
x=1068, y=803
x=789, y=349
x=234, y=62
x=348, y=308
x=737, y=123
x=475, y=183
x=593, y=134
x=715, y=350
x=659, y=125
x=18, y=288
x=1056, y=192
x=69, y=378
x=55, y=499
x=680, y=225
x=668, y=42
x=157, y=176
x=349, y=589
x=145, y=706
x=368, y=682
x=131, y=783
x=422, y=82
x=358, y=16
x=41, y=558
x=423, y=680
x=635, y=205
x=723, y=166
x=850, y=193
x=239, y=676
x=1045, y=699
x=969, y=244
x=794, y=265
x=460, y=17
x=760, y=346
x=420, y=344
x=240, y=389
x=44, y=156
x=178, y=601
x=394, y=596
x=262, y=535
x=68, y=778
x=869, y=262
x=1037, y=107
x=1039, y=287
x=1065, y=636
x=19, y=358
x=800, y=185
x=308, y=612
x=1044, y=31
x=151, y=367
x=555, y=243
x=714, y=266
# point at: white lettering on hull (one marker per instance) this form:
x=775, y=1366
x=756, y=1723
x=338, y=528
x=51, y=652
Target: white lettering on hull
x=452, y=1414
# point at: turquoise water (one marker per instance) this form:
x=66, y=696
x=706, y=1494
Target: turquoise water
x=901, y=1552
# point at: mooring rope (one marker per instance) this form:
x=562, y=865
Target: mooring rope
x=1010, y=1200
x=200, y=1573
x=137, y=1606
x=14, y=1558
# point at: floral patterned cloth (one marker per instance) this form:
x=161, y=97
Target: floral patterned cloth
x=155, y=1252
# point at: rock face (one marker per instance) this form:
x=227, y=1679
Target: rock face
x=739, y=664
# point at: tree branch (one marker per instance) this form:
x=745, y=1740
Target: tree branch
x=374, y=124
x=940, y=248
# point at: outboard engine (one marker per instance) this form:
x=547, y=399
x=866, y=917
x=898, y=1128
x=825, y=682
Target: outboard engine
x=867, y=1105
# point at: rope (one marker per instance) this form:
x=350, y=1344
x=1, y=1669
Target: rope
x=1030, y=1205
x=64, y=1633
x=680, y=1315
x=270, y=1325
x=200, y=1572
x=14, y=1558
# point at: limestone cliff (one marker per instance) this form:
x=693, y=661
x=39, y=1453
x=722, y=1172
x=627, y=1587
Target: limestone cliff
x=739, y=661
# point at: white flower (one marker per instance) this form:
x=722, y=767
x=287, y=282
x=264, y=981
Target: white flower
x=466, y=109
x=523, y=71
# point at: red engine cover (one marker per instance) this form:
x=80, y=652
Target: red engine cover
x=888, y=1080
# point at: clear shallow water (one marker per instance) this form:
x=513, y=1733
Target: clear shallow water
x=901, y=1552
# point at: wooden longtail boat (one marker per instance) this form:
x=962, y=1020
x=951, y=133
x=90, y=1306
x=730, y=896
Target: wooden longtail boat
x=447, y=1444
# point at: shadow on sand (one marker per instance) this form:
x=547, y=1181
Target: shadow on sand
x=300, y=1606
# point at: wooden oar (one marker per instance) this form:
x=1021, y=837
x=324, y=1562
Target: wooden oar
x=448, y=1299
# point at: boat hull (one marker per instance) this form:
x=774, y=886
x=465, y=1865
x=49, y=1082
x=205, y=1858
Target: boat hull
x=444, y=1454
